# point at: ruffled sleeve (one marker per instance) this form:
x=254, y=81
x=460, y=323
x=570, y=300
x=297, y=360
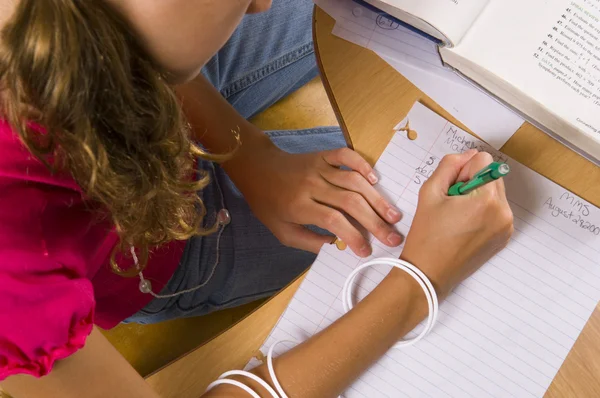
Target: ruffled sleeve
x=46, y=299
x=46, y=313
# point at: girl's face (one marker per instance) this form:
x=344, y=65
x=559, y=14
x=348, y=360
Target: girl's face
x=181, y=35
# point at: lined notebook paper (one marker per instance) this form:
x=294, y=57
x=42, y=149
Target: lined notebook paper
x=505, y=331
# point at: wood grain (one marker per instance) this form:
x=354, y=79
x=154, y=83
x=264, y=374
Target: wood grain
x=188, y=376
x=369, y=98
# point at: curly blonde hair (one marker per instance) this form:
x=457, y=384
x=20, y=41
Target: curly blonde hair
x=108, y=117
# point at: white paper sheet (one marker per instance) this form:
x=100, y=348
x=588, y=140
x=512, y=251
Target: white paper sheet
x=418, y=60
x=505, y=331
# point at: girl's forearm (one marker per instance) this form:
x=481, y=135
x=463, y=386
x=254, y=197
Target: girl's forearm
x=329, y=362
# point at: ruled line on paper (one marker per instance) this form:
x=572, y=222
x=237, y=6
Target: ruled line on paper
x=503, y=332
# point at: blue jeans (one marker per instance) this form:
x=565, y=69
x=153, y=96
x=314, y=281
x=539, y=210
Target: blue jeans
x=269, y=56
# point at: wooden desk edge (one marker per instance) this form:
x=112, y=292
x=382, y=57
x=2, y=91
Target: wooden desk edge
x=332, y=101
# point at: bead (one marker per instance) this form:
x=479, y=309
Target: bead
x=223, y=217
x=145, y=286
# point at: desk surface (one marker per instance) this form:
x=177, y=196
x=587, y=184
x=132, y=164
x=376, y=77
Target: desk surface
x=354, y=77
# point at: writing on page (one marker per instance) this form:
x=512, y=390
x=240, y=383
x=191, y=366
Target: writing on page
x=573, y=209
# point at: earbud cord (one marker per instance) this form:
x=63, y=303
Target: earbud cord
x=146, y=287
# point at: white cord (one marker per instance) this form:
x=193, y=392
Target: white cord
x=253, y=377
x=414, y=272
x=193, y=289
x=233, y=383
x=272, y=369
x=432, y=300
x=146, y=285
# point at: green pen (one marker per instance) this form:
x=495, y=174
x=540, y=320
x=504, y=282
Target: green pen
x=491, y=173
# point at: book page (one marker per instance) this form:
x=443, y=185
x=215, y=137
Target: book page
x=505, y=331
x=452, y=18
x=547, y=49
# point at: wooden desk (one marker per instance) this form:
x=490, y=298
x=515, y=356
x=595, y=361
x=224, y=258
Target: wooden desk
x=369, y=98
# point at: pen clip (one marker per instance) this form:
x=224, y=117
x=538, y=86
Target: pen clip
x=483, y=172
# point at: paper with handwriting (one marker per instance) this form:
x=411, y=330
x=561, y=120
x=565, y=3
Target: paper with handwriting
x=505, y=331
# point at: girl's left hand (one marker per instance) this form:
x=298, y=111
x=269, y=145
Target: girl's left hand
x=288, y=191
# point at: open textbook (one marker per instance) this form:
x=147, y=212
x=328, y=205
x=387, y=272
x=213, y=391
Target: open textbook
x=506, y=330
x=541, y=57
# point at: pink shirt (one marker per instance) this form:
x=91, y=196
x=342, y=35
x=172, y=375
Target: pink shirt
x=55, y=278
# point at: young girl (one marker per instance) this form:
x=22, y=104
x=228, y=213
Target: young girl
x=132, y=188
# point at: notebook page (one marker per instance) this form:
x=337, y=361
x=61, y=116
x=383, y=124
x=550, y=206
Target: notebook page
x=505, y=331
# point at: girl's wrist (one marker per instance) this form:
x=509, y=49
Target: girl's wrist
x=253, y=142
x=404, y=287
x=408, y=298
x=430, y=266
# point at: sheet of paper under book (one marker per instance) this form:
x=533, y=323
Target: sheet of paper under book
x=505, y=331
x=418, y=60
x=541, y=57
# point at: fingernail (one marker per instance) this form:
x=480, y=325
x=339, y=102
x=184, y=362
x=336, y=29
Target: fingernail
x=394, y=239
x=365, y=251
x=393, y=214
x=372, y=178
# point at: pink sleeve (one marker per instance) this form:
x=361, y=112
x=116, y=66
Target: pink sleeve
x=46, y=313
x=46, y=299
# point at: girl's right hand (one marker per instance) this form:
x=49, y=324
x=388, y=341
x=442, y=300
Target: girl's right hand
x=451, y=237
